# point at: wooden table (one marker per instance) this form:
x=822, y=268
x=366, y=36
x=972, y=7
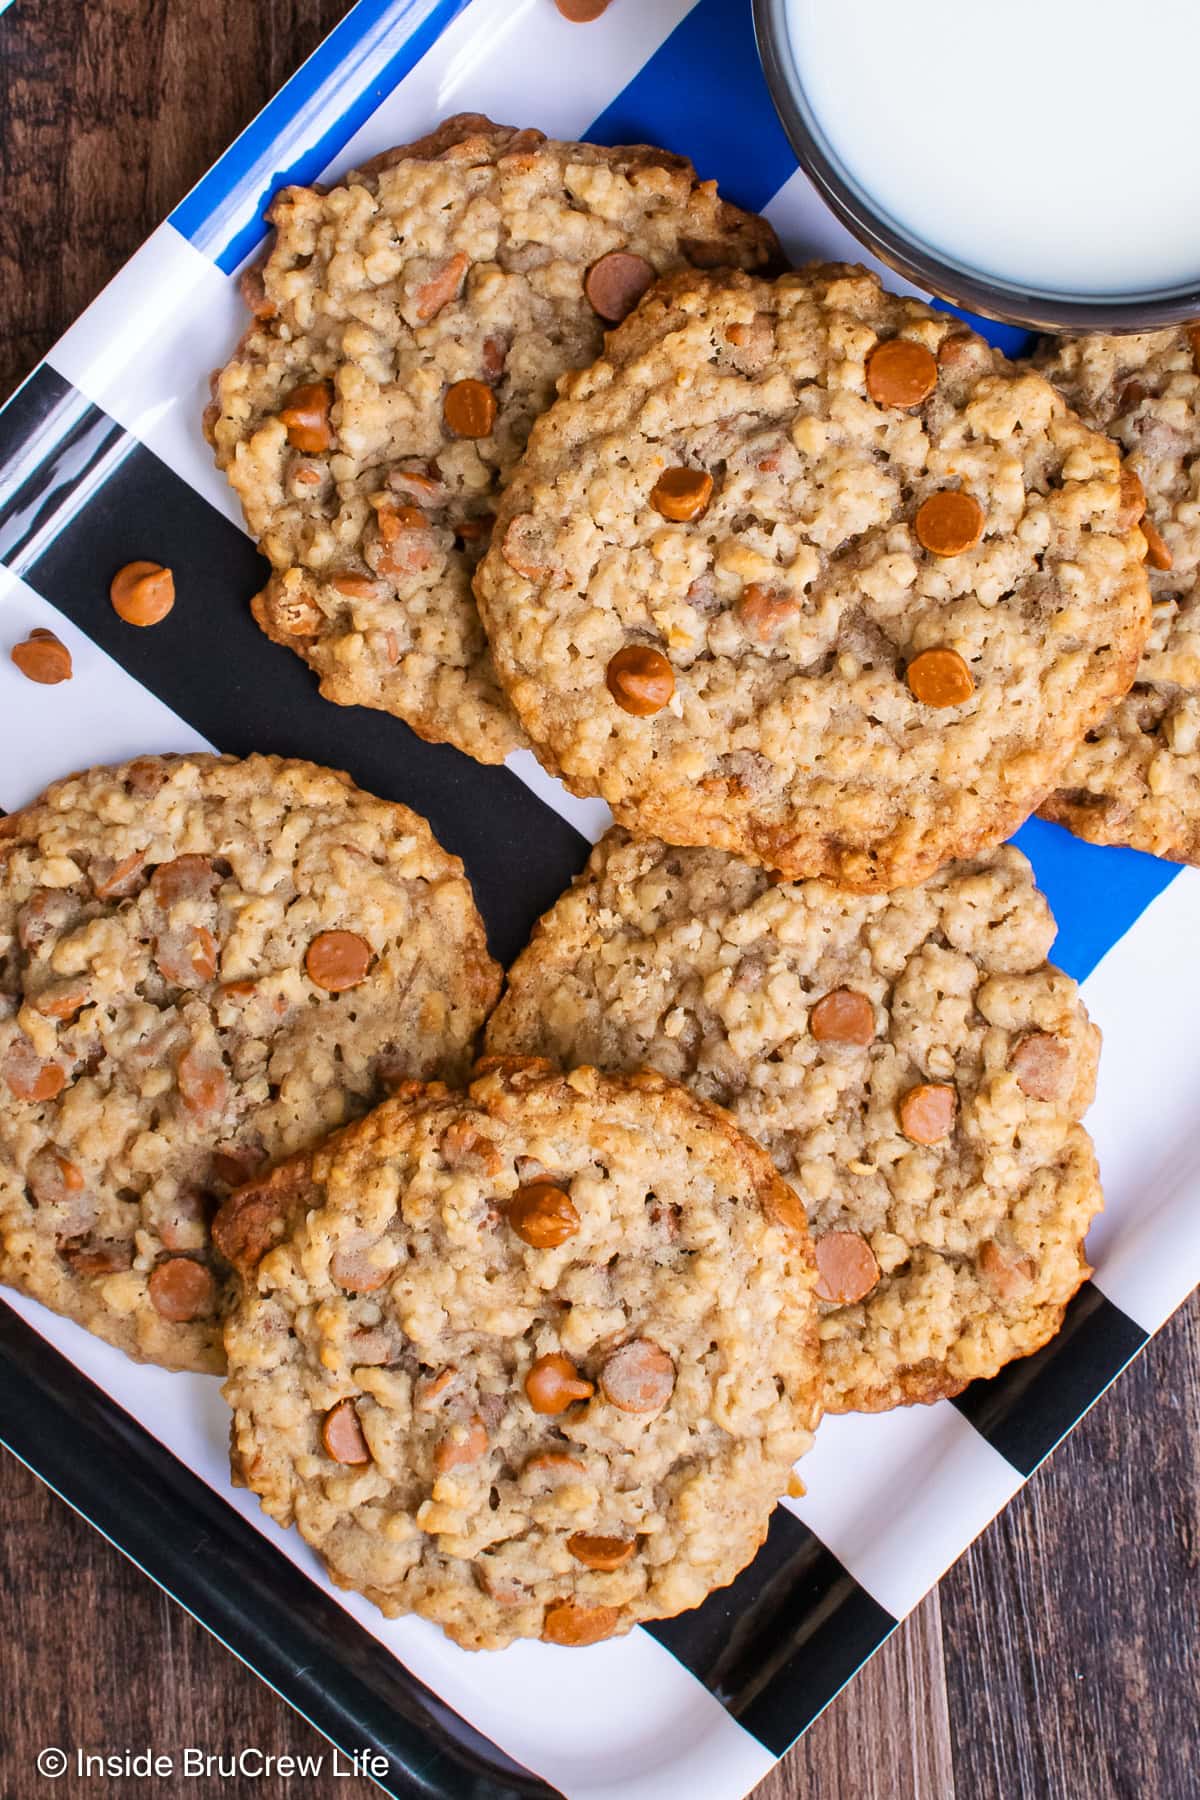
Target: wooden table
x=1058, y=1659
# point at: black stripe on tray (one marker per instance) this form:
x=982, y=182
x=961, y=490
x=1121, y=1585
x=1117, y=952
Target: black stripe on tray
x=781, y=1641
x=248, y=1594
x=87, y=497
x=1025, y=1410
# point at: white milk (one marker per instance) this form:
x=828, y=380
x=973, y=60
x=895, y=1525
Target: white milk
x=1052, y=143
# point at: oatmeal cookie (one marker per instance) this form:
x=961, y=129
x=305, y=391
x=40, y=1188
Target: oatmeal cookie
x=1136, y=777
x=410, y=323
x=810, y=573
x=911, y=1061
x=533, y=1360
x=204, y=964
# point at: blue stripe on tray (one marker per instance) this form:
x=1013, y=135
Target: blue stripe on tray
x=275, y=148
x=1095, y=894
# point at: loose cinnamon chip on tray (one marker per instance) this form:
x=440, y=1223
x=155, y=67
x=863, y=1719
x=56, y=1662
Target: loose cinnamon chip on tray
x=43, y=658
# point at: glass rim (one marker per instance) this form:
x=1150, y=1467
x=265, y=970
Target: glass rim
x=908, y=255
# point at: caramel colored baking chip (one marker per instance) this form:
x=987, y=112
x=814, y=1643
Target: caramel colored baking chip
x=62, y=1001
x=1040, y=1063
x=36, y=1081
x=120, y=879
x=553, y=1462
x=441, y=287
x=567, y=1623
x=901, y=373
x=616, y=283
x=43, y=658
x=1133, y=499
x=203, y=1085
x=581, y=12
x=354, y=587
x=189, y=877
x=1157, y=553
x=519, y=547
x=353, y=1269
x=142, y=593
x=469, y=409
x=342, y=1435
x=640, y=680
x=604, y=1553
x=554, y=1383
x=1008, y=1273
x=764, y=611
x=542, y=1215
x=182, y=1290
x=104, y=1258
x=682, y=494
x=248, y=1224
x=395, y=520
x=461, y=1446
x=949, y=523
x=638, y=1378
x=927, y=1112
x=940, y=678
x=305, y=412
x=337, y=960
x=843, y=1017
x=846, y=1267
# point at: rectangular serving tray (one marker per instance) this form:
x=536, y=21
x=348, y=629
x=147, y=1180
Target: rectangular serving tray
x=102, y=460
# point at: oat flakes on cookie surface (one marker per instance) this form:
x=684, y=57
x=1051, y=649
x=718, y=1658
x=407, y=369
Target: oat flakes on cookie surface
x=410, y=324
x=205, y=963
x=810, y=573
x=532, y=1360
x=911, y=1061
x=1136, y=778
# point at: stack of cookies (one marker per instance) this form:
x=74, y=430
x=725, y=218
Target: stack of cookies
x=780, y=1110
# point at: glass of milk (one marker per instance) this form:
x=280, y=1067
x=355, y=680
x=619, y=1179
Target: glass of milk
x=1032, y=160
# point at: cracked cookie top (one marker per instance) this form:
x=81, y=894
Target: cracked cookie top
x=808, y=572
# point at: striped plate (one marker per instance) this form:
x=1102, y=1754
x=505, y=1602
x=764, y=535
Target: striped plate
x=101, y=460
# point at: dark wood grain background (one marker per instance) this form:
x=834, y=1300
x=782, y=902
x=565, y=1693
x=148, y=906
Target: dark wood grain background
x=1059, y=1659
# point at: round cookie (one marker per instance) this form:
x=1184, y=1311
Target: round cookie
x=410, y=323
x=534, y=1360
x=1136, y=777
x=911, y=1061
x=810, y=573
x=204, y=964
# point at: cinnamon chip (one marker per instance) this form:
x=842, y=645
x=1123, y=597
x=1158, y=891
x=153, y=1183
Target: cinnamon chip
x=616, y=283
x=640, y=680
x=846, y=1267
x=570, y=1624
x=43, y=658
x=949, y=523
x=470, y=409
x=940, y=678
x=342, y=1435
x=182, y=1290
x=901, y=373
x=843, y=1017
x=927, y=1112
